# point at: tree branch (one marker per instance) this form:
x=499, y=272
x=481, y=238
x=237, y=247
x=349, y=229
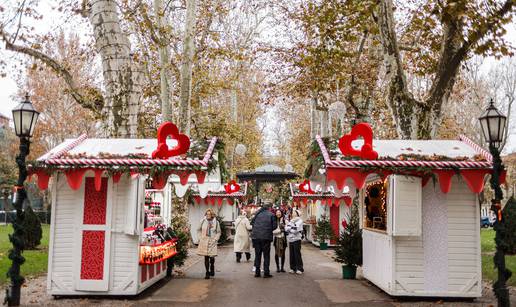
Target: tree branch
x=94, y=105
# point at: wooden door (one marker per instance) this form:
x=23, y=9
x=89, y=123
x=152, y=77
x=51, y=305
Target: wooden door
x=334, y=221
x=92, y=267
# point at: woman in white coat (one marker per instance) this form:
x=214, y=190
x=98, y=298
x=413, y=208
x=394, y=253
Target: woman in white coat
x=294, y=231
x=241, y=242
x=209, y=234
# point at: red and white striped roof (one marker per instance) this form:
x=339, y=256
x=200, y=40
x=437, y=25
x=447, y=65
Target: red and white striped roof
x=121, y=152
x=389, y=150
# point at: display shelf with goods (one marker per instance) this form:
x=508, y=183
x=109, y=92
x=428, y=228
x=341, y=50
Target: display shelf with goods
x=109, y=235
x=402, y=212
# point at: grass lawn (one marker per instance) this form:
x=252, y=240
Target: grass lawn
x=35, y=261
x=488, y=249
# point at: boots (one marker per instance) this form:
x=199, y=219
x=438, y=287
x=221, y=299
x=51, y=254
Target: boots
x=238, y=257
x=207, y=267
x=247, y=256
x=276, y=259
x=282, y=264
x=212, y=266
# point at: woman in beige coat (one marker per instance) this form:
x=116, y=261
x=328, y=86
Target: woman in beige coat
x=241, y=242
x=209, y=234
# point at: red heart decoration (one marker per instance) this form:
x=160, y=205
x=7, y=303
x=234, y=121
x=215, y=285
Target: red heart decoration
x=305, y=187
x=163, y=152
x=344, y=223
x=366, y=152
x=232, y=187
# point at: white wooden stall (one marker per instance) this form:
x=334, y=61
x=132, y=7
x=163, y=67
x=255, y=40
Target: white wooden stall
x=425, y=241
x=97, y=238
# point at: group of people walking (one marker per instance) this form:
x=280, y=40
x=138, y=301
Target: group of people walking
x=263, y=228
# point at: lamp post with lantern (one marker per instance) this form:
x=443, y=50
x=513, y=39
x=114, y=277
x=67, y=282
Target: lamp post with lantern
x=493, y=124
x=25, y=118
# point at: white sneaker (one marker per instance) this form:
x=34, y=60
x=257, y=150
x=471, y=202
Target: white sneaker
x=291, y=271
x=254, y=269
x=299, y=272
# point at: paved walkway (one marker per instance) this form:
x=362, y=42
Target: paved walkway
x=234, y=285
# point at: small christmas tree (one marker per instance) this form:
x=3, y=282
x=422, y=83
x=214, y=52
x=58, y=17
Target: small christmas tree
x=32, y=227
x=349, y=245
x=323, y=230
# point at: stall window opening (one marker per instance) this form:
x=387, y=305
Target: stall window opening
x=375, y=202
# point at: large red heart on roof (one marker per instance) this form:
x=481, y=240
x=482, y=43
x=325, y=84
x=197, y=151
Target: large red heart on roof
x=232, y=187
x=305, y=187
x=168, y=129
x=366, y=152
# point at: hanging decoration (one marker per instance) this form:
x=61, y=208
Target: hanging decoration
x=168, y=129
x=232, y=187
x=366, y=152
x=305, y=187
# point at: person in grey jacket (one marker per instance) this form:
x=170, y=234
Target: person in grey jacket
x=263, y=223
x=294, y=231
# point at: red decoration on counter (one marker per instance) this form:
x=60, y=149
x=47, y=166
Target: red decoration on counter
x=305, y=187
x=163, y=152
x=232, y=187
x=366, y=152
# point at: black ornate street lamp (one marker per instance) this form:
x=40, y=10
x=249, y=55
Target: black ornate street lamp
x=25, y=118
x=493, y=125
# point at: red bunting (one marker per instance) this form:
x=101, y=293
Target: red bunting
x=159, y=181
x=98, y=179
x=424, y=180
x=219, y=201
x=43, y=179
x=474, y=179
x=341, y=174
x=116, y=177
x=348, y=200
x=74, y=177
x=445, y=177
x=201, y=176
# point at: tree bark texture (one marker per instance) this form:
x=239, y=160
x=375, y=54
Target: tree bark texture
x=420, y=119
x=122, y=77
x=186, y=67
x=164, y=59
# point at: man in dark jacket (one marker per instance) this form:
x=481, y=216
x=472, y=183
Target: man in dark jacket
x=264, y=222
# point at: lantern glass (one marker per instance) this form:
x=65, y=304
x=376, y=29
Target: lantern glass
x=492, y=123
x=25, y=118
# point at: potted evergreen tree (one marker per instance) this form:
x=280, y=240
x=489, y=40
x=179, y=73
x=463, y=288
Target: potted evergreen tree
x=323, y=232
x=349, y=246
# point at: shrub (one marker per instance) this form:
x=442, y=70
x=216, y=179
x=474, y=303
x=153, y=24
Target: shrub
x=32, y=228
x=323, y=230
x=349, y=245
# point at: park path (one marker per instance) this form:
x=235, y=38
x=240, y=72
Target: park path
x=235, y=285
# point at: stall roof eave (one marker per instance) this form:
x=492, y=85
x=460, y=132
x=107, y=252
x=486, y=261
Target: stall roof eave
x=86, y=152
x=436, y=154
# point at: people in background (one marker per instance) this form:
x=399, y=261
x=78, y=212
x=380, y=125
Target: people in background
x=242, y=239
x=209, y=234
x=263, y=223
x=294, y=229
x=280, y=242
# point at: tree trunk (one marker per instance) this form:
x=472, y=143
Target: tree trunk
x=323, y=125
x=313, y=118
x=400, y=101
x=164, y=60
x=186, y=67
x=122, y=78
